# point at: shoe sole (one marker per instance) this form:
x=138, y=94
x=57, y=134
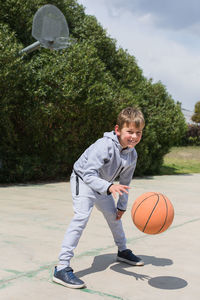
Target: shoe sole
x=72, y=286
x=133, y=263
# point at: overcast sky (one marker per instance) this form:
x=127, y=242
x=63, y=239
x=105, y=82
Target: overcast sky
x=164, y=37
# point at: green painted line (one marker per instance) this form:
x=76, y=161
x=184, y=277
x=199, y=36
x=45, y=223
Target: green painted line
x=4, y=285
x=97, y=251
x=93, y=252
x=101, y=294
x=13, y=271
x=185, y=223
x=9, y=242
x=19, y=274
x=170, y=228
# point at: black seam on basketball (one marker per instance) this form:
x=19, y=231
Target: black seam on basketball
x=166, y=215
x=151, y=213
x=141, y=204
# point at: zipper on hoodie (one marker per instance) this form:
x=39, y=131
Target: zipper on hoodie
x=117, y=173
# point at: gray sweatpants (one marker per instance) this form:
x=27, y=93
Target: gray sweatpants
x=84, y=199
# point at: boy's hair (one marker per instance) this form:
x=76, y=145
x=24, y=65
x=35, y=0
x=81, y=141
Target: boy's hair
x=130, y=115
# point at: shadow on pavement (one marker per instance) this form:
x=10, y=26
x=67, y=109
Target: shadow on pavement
x=168, y=282
x=102, y=262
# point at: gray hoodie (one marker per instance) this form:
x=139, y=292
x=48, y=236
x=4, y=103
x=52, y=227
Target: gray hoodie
x=103, y=162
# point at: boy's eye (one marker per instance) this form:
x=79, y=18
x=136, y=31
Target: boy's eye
x=138, y=132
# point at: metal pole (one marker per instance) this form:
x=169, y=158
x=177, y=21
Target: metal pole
x=31, y=48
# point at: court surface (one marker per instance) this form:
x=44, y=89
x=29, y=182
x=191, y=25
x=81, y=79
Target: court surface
x=33, y=222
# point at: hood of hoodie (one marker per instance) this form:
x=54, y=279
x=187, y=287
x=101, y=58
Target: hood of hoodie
x=112, y=135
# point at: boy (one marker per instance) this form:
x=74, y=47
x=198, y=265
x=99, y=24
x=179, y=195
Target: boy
x=92, y=184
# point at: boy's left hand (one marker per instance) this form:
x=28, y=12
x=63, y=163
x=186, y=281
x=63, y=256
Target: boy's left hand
x=119, y=214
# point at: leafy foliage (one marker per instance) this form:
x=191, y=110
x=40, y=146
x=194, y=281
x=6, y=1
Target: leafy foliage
x=54, y=104
x=196, y=116
x=192, y=136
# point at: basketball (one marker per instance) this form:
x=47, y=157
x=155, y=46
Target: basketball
x=152, y=213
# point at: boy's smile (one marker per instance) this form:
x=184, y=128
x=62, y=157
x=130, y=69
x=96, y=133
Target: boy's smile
x=129, y=135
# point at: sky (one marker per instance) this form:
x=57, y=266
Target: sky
x=163, y=36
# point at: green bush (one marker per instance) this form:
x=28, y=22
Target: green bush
x=196, y=116
x=165, y=126
x=192, y=136
x=54, y=104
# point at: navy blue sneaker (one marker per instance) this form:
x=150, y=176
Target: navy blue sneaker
x=128, y=257
x=67, y=278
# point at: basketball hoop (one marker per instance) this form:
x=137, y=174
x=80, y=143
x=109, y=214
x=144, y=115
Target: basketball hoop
x=50, y=29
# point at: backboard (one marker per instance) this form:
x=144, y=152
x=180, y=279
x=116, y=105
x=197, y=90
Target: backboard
x=50, y=29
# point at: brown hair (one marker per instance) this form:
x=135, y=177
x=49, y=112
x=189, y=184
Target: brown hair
x=130, y=115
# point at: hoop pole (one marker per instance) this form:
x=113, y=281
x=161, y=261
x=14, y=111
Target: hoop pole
x=31, y=48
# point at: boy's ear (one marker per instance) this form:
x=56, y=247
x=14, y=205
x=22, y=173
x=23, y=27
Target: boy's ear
x=117, y=130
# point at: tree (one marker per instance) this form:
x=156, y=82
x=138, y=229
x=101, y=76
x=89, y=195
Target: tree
x=196, y=115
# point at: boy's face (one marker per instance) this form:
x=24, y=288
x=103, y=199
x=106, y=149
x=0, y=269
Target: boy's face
x=129, y=135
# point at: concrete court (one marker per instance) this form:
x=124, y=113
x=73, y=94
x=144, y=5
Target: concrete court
x=33, y=222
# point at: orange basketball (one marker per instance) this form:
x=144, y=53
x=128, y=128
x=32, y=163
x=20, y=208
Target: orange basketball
x=152, y=213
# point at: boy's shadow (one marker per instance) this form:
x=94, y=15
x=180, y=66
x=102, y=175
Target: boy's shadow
x=156, y=261
x=102, y=262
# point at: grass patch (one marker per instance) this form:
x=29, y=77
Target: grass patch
x=182, y=160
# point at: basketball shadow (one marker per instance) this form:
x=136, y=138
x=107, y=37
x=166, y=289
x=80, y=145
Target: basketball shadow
x=167, y=282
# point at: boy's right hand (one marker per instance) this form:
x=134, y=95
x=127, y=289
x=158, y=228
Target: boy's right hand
x=118, y=188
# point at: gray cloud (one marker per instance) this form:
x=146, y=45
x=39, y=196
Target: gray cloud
x=173, y=14
x=163, y=35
